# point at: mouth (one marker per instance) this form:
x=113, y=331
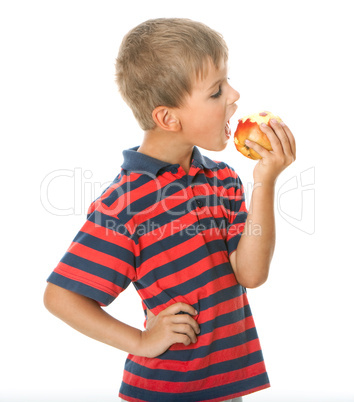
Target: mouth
x=227, y=126
x=228, y=129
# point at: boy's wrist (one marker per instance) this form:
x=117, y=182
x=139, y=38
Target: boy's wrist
x=139, y=349
x=264, y=183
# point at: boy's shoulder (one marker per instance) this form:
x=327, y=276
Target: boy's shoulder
x=139, y=180
x=137, y=162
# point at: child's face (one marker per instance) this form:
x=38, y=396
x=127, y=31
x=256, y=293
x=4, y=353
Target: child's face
x=206, y=112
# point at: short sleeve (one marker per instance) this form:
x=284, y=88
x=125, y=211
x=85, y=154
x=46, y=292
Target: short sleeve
x=237, y=213
x=100, y=262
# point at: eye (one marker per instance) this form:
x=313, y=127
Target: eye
x=218, y=94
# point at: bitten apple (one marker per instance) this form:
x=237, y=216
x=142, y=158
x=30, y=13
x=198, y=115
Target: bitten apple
x=249, y=128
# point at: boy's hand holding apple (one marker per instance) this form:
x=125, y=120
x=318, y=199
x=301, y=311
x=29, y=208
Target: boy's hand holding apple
x=265, y=136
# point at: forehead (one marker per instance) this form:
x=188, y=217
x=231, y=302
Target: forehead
x=210, y=75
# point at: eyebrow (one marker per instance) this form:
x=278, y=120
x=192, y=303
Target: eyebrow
x=214, y=84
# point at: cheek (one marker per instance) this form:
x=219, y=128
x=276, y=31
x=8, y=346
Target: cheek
x=218, y=113
x=214, y=114
x=218, y=118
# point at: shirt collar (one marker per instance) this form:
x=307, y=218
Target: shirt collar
x=140, y=163
x=198, y=158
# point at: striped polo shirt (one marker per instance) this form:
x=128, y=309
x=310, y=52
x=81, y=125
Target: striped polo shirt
x=171, y=235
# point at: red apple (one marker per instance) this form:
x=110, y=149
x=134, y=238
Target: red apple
x=248, y=128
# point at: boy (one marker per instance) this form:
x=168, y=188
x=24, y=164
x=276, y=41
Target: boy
x=171, y=222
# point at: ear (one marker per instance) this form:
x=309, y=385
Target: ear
x=165, y=118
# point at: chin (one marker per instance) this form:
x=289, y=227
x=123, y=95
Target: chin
x=212, y=149
x=216, y=147
x=219, y=147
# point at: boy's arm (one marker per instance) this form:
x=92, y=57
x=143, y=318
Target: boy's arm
x=86, y=316
x=251, y=260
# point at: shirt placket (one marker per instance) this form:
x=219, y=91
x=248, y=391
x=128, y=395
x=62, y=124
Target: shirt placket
x=199, y=193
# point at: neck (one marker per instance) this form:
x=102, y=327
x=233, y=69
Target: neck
x=168, y=147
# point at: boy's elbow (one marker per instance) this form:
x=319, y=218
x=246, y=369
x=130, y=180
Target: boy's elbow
x=47, y=298
x=51, y=296
x=253, y=281
x=252, y=284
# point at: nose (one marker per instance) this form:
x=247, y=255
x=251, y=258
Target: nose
x=234, y=96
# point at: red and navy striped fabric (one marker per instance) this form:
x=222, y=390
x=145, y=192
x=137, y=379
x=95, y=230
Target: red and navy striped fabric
x=171, y=234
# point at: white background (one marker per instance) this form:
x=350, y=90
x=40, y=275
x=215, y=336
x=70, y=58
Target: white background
x=61, y=112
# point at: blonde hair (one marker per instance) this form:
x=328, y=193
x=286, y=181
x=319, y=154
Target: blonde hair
x=158, y=61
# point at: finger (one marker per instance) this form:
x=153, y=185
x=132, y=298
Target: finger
x=180, y=307
x=185, y=329
x=272, y=136
x=291, y=139
x=181, y=338
x=187, y=320
x=258, y=148
x=283, y=137
x=286, y=138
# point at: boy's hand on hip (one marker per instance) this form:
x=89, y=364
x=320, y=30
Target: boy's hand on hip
x=167, y=328
x=275, y=161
